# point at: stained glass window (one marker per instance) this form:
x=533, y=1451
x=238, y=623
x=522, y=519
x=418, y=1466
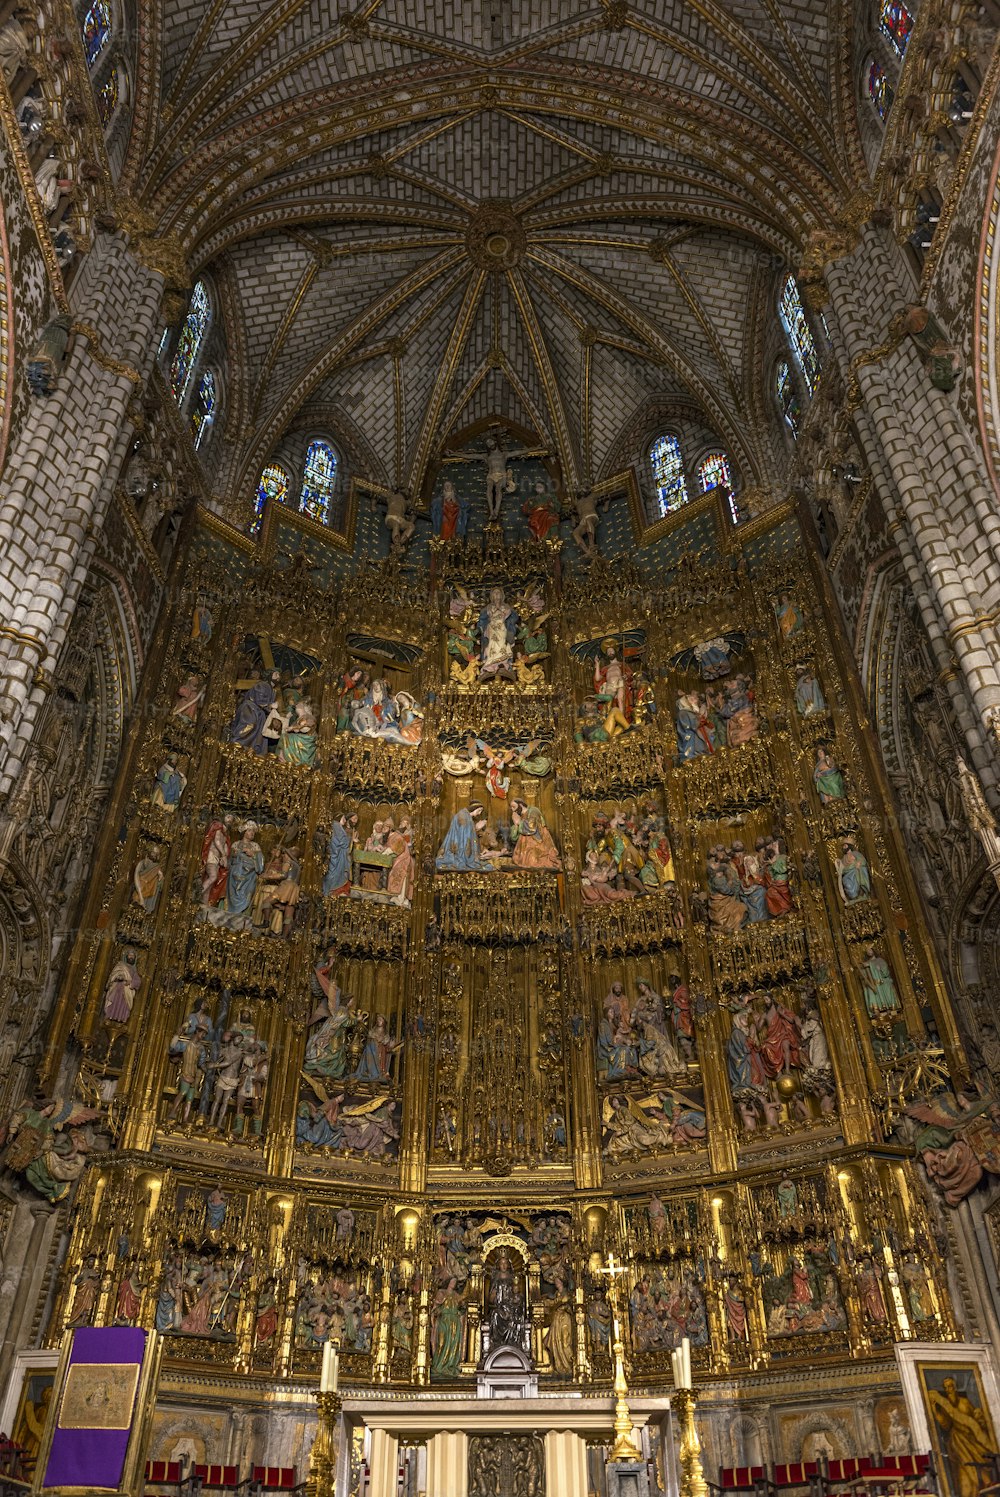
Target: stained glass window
x=713, y=473
x=895, y=23
x=668, y=474
x=714, y=470
x=793, y=320
x=189, y=344
x=271, y=489
x=318, y=481
x=96, y=30
x=878, y=89
x=788, y=399
x=107, y=98
x=203, y=410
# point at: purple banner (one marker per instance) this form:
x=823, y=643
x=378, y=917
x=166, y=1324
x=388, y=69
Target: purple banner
x=96, y=1408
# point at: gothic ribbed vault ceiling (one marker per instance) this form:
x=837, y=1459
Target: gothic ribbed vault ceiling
x=435, y=212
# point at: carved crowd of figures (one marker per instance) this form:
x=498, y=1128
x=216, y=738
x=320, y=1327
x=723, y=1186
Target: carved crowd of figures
x=490, y=882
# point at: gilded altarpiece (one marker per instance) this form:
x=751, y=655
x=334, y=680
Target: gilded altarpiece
x=454, y=930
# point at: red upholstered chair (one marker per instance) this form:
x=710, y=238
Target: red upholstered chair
x=163, y=1476
x=896, y=1473
x=272, y=1479
x=743, y=1479
x=217, y=1478
x=805, y=1474
x=14, y=1460
x=840, y=1477
x=890, y=1475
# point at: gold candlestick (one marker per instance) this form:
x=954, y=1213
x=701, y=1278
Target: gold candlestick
x=624, y=1448
x=321, y=1481
x=693, y=1483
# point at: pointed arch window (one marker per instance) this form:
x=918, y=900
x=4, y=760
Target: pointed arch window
x=272, y=488
x=713, y=470
x=667, y=467
x=96, y=30
x=319, y=481
x=879, y=91
x=107, y=98
x=895, y=23
x=203, y=411
x=788, y=400
x=800, y=338
x=191, y=341
x=714, y=473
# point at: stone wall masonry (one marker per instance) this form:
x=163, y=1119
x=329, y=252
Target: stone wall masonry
x=59, y=480
x=927, y=478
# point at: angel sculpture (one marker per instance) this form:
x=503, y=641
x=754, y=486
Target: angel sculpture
x=477, y=756
x=399, y=520
x=316, y=1122
x=957, y=1139
x=587, y=520
x=463, y=641
x=48, y=1143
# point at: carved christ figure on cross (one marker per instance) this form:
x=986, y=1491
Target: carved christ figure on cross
x=496, y=458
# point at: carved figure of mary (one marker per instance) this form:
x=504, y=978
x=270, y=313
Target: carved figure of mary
x=497, y=632
x=459, y=852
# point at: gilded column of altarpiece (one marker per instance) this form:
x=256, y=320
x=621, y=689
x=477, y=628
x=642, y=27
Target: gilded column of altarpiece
x=502, y=913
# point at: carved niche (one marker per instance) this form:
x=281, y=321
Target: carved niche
x=506, y=1466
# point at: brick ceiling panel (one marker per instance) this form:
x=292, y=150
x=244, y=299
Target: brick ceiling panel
x=653, y=292
x=516, y=347
x=426, y=353
x=341, y=64
x=496, y=398
x=268, y=270
x=483, y=26
x=620, y=385
x=192, y=52
x=718, y=270
x=584, y=311
x=620, y=168
x=490, y=156
x=614, y=186
x=478, y=344
x=650, y=58
x=366, y=390
x=563, y=349
x=338, y=296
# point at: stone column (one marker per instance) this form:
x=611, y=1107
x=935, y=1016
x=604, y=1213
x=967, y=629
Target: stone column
x=384, y=1461
x=565, y=1464
x=22, y=1286
x=60, y=475
x=924, y=455
x=447, y=1464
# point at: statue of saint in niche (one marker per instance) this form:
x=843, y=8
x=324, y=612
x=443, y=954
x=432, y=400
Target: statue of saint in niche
x=505, y=1303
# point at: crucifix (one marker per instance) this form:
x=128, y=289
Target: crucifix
x=614, y=1271
x=499, y=479
x=624, y=1448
